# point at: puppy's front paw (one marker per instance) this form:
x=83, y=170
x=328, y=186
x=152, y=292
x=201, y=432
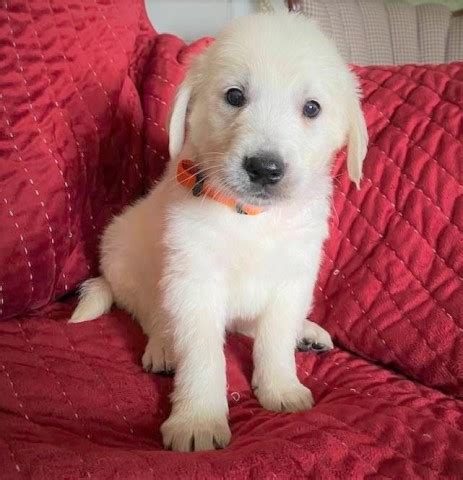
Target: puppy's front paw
x=158, y=357
x=186, y=434
x=291, y=397
x=314, y=338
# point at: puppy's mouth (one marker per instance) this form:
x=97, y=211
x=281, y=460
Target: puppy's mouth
x=263, y=195
x=258, y=195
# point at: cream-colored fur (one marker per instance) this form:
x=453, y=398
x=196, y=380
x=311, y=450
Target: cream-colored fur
x=189, y=268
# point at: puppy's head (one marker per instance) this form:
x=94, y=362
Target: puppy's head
x=265, y=107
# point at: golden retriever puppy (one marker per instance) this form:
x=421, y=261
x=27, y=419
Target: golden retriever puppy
x=231, y=237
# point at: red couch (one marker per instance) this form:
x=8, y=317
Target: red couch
x=84, y=92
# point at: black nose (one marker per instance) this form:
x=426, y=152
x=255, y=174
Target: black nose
x=264, y=168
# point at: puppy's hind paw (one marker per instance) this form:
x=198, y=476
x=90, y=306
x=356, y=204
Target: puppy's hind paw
x=158, y=357
x=314, y=338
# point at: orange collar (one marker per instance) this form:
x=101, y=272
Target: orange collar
x=189, y=176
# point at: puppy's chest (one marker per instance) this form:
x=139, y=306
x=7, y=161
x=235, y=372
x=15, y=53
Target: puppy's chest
x=254, y=268
x=254, y=258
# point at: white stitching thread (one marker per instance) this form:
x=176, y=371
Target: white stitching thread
x=31, y=182
x=155, y=152
x=444, y=361
x=150, y=119
x=47, y=145
x=311, y=376
x=412, y=141
x=164, y=80
x=417, y=84
x=59, y=107
x=22, y=409
x=26, y=252
x=397, y=211
x=157, y=99
x=403, y=173
x=58, y=383
x=439, y=305
x=137, y=132
x=415, y=186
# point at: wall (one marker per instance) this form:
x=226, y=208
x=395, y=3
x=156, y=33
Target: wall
x=191, y=19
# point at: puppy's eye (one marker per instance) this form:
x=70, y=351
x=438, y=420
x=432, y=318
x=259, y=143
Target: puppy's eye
x=311, y=109
x=235, y=97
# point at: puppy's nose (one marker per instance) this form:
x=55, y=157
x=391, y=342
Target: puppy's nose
x=264, y=168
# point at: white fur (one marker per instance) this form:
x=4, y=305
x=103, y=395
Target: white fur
x=96, y=299
x=190, y=268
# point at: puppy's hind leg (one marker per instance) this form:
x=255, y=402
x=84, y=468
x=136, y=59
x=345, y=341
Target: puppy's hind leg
x=159, y=353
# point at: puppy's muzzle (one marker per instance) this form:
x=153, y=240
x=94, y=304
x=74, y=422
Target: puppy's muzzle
x=264, y=168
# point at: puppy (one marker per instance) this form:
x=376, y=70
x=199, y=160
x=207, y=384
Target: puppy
x=231, y=237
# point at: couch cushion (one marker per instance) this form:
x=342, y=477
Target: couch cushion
x=75, y=403
x=391, y=286
x=70, y=138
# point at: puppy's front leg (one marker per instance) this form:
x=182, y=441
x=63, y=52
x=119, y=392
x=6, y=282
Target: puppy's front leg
x=198, y=420
x=275, y=381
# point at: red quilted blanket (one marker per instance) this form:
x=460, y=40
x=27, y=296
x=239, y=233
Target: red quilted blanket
x=84, y=93
x=75, y=403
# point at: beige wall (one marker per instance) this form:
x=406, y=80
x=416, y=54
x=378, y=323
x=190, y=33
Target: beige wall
x=191, y=19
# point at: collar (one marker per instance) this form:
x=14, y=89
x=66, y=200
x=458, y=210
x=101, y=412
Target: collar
x=190, y=177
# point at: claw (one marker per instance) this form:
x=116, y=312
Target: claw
x=304, y=345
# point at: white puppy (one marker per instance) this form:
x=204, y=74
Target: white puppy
x=253, y=130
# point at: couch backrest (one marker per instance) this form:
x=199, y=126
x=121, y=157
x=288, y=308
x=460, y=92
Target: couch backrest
x=381, y=32
x=71, y=138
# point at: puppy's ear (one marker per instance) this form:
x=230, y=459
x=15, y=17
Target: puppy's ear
x=178, y=117
x=357, y=139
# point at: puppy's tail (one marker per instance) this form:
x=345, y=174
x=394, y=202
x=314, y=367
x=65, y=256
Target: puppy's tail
x=95, y=299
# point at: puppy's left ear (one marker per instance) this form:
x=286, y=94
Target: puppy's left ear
x=357, y=139
x=178, y=118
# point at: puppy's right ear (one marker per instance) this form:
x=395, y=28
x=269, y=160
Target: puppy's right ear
x=177, y=121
